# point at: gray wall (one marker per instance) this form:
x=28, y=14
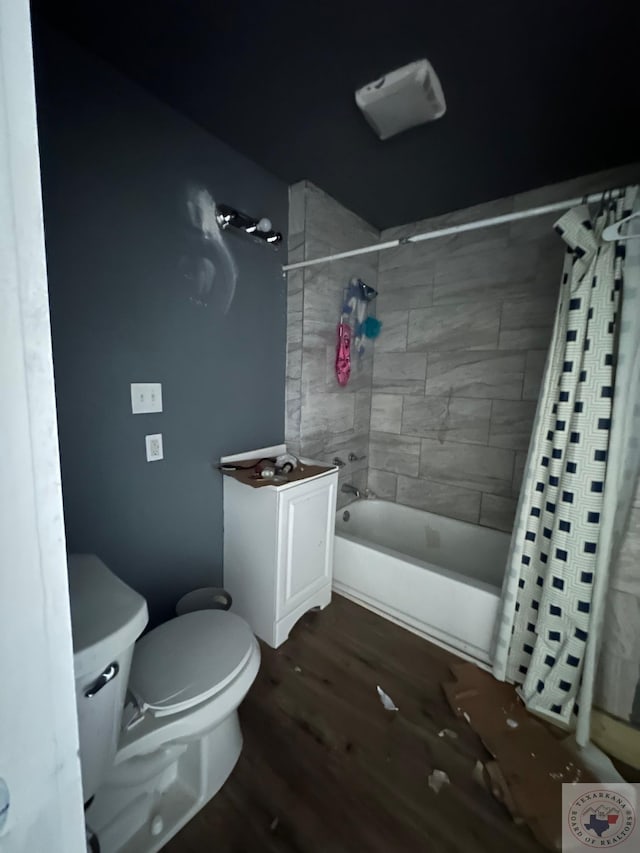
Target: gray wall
x=466, y=323
x=115, y=165
x=324, y=419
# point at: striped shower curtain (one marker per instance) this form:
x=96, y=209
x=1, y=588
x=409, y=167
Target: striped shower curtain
x=562, y=541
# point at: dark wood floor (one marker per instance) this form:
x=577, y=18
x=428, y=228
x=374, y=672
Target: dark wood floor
x=325, y=769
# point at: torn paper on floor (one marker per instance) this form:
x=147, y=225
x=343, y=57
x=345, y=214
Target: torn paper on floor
x=448, y=733
x=477, y=774
x=387, y=701
x=437, y=779
x=529, y=764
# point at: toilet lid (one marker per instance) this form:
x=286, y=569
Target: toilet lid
x=188, y=659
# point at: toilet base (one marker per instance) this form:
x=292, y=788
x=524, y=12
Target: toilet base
x=147, y=799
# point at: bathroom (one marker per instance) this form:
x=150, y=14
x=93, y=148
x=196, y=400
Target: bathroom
x=439, y=408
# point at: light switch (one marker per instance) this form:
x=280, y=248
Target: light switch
x=146, y=397
x=154, y=447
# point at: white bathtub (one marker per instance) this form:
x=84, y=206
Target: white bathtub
x=437, y=576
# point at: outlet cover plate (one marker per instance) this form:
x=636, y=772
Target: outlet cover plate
x=146, y=397
x=153, y=444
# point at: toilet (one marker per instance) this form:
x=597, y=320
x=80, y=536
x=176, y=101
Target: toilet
x=158, y=721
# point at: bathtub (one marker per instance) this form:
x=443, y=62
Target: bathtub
x=439, y=577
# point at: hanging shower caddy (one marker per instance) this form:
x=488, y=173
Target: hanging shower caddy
x=354, y=326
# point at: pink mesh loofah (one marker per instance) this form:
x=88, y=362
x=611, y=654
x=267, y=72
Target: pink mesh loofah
x=343, y=353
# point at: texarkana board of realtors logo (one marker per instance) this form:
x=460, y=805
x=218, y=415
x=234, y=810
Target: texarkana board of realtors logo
x=600, y=817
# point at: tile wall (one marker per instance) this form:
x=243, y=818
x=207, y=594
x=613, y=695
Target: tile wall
x=467, y=320
x=323, y=419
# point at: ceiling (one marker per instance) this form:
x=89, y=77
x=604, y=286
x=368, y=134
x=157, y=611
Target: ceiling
x=536, y=91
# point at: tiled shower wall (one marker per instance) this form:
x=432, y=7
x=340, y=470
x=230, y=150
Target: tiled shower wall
x=324, y=420
x=466, y=322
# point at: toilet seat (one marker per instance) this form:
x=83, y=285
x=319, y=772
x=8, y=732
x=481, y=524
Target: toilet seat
x=189, y=659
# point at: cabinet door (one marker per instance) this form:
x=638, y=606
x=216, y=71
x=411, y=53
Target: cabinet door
x=306, y=520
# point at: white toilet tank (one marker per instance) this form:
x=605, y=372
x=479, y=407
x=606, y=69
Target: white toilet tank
x=107, y=617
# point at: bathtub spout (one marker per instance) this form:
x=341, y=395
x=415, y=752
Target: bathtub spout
x=348, y=489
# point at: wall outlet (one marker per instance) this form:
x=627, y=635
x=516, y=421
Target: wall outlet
x=146, y=397
x=153, y=444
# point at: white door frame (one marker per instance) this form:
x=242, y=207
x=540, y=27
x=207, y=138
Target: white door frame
x=38, y=725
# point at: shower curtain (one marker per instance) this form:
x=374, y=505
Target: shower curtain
x=580, y=473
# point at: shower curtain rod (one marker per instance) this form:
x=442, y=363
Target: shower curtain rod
x=457, y=229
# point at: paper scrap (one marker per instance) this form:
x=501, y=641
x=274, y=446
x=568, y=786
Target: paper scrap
x=387, y=701
x=437, y=779
x=478, y=774
x=448, y=733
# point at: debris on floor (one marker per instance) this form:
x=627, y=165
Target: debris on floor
x=297, y=669
x=274, y=824
x=437, y=779
x=499, y=787
x=530, y=763
x=448, y=733
x=479, y=775
x=594, y=759
x=387, y=701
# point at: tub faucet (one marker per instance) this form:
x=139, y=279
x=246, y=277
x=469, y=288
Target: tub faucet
x=348, y=489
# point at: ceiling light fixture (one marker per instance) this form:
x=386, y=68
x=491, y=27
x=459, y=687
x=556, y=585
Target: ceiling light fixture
x=404, y=98
x=227, y=217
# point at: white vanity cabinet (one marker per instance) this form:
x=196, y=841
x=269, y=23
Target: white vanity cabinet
x=278, y=547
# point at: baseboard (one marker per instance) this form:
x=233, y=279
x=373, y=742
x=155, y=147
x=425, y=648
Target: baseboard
x=616, y=737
